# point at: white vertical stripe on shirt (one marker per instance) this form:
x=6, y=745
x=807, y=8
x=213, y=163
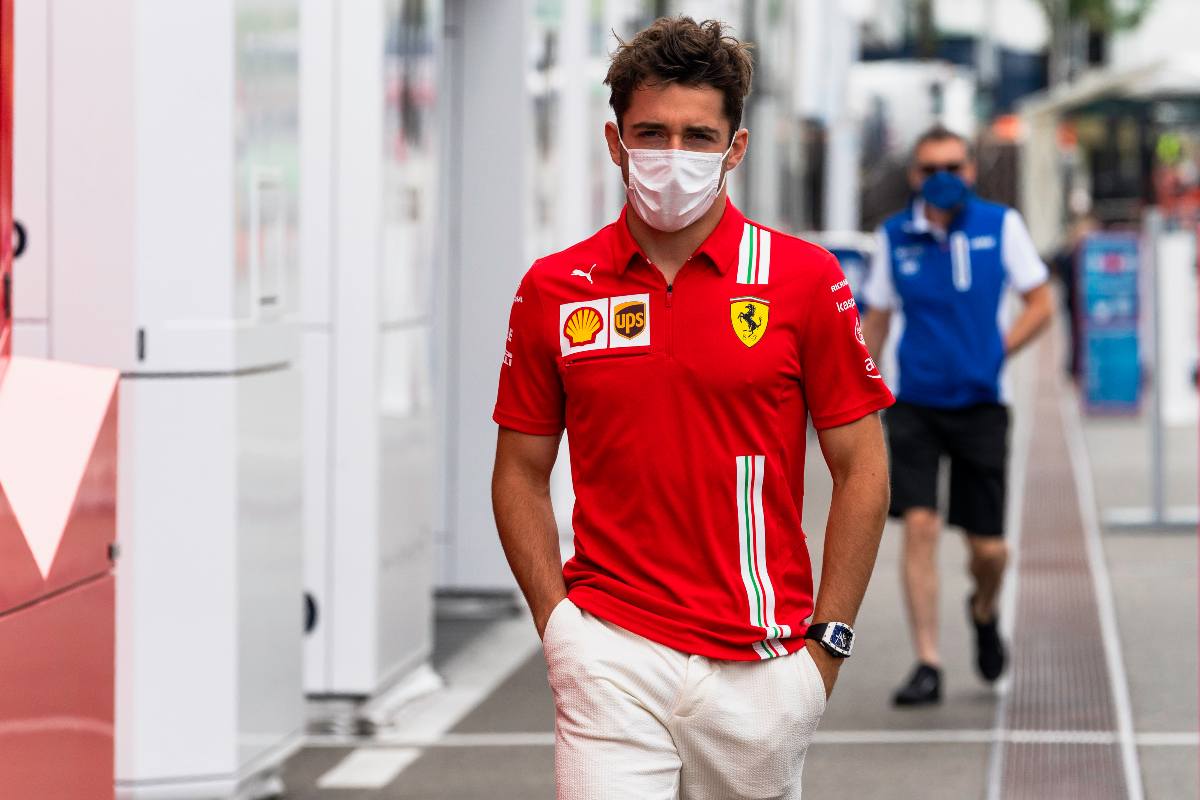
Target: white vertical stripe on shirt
x=960, y=260
x=764, y=255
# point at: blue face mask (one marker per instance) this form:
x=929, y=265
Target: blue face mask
x=945, y=190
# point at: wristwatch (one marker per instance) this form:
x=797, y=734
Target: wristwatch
x=836, y=637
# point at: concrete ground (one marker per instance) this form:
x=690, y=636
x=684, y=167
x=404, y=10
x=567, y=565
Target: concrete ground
x=489, y=735
x=1154, y=574
x=1154, y=577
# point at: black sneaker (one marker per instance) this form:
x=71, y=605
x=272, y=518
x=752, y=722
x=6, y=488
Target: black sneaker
x=924, y=687
x=990, y=657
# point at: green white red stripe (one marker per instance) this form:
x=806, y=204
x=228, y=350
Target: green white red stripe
x=752, y=555
x=754, y=255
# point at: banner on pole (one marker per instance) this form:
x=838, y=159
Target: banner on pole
x=1108, y=290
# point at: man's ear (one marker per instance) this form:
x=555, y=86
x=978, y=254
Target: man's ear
x=737, y=149
x=915, y=179
x=613, y=137
x=968, y=173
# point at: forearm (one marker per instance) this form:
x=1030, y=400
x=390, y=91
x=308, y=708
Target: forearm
x=857, y=514
x=529, y=536
x=875, y=330
x=1039, y=308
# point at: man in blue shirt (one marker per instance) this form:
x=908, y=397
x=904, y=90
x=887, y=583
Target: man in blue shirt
x=938, y=282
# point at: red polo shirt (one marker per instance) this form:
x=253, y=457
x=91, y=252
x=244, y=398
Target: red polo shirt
x=685, y=409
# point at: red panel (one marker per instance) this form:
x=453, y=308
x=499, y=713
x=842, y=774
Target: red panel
x=6, y=220
x=56, y=706
x=92, y=526
x=47, y=410
x=20, y=580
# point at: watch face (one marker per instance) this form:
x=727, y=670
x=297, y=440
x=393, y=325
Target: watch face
x=841, y=637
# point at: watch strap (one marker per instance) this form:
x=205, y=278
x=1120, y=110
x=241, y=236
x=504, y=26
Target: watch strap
x=816, y=631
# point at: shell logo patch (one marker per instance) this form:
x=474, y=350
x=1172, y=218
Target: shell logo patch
x=583, y=325
x=629, y=319
x=749, y=318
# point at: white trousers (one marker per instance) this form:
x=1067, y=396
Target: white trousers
x=637, y=720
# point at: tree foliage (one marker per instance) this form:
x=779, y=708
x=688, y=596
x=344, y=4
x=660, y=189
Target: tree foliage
x=1101, y=16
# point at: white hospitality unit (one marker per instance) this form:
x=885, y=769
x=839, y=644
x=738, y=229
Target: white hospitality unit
x=488, y=228
x=157, y=144
x=369, y=148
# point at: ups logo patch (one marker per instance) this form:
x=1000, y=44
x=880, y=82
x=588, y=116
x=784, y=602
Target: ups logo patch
x=629, y=319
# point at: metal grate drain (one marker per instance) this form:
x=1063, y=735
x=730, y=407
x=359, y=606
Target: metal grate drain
x=1060, y=680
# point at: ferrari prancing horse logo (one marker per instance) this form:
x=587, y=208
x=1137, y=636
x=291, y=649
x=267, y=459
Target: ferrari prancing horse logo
x=749, y=318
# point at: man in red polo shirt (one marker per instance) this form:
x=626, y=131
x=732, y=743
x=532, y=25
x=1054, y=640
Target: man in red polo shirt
x=684, y=348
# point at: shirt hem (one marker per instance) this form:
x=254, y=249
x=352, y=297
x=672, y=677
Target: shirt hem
x=615, y=612
x=522, y=425
x=852, y=415
x=1022, y=288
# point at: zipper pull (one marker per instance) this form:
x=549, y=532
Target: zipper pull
x=669, y=290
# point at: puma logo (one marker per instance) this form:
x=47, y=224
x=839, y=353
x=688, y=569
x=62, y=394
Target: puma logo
x=583, y=274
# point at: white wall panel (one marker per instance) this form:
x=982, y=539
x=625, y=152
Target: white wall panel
x=318, y=538
x=31, y=108
x=184, y=90
x=407, y=454
x=92, y=61
x=269, y=578
x=488, y=228
x=176, y=608
x=354, y=377
x=317, y=126
x=31, y=338
x=370, y=90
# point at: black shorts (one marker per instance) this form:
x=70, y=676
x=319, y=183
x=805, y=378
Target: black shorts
x=975, y=439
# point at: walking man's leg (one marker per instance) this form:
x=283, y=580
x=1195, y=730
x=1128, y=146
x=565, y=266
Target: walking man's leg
x=922, y=529
x=988, y=558
x=915, y=446
x=978, y=464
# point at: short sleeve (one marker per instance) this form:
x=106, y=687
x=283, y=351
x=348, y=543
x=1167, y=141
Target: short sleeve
x=841, y=381
x=879, y=291
x=1024, y=266
x=530, y=398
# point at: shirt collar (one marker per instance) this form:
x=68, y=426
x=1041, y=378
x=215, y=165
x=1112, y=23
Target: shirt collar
x=721, y=246
x=919, y=223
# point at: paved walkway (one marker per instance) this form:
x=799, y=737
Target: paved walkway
x=1102, y=701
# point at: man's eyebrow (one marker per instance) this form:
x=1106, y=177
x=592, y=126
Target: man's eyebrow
x=660, y=126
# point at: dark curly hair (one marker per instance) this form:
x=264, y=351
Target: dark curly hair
x=677, y=49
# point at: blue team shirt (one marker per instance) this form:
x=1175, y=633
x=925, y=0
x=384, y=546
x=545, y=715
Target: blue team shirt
x=947, y=291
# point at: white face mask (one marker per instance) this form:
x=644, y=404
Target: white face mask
x=671, y=189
